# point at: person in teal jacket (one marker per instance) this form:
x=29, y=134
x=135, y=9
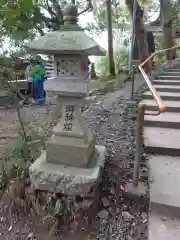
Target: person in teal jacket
x=38, y=75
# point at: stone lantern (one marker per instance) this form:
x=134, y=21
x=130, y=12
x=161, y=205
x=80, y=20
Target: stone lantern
x=71, y=163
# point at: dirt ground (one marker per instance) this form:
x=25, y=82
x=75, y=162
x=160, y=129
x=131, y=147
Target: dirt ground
x=105, y=117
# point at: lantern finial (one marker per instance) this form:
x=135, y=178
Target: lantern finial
x=70, y=13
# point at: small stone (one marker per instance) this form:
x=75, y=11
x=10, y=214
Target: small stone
x=133, y=224
x=127, y=216
x=105, y=202
x=73, y=226
x=103, y=214
x=102, y=119
x=144, y=215
x=163, y=219
x=10, y=228
x=117, y=210
x=112, y=190
x=122, y=188
x=131, y=138
x=110, y=209
x=30, y=236
x=144, y=158
x=27, y=181
x=144, y=169
x=2, y=219
x=145, y=221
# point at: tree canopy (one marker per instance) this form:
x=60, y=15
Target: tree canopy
x=119, y=14
x=22, y=19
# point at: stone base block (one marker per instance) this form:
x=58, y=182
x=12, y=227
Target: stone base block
x=70, y=151
x=65, y=179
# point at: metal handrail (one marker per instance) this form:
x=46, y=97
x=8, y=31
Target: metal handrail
x=162, y=106
x=141, y=112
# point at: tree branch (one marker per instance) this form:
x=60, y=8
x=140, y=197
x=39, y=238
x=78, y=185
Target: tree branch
x=89, y=7
x=139, y=11
x=40, y=30
x=47, y=21
x=49, y=9
x=58, y=10
x=25, y=137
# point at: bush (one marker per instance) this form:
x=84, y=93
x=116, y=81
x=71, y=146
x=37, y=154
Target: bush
x=121, y=62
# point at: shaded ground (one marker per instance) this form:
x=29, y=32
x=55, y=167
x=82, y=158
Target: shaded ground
x=111, y=120
x=119, y=218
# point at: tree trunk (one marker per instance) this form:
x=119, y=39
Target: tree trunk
x=111, y=63
x=140, y=33
x=166, y=7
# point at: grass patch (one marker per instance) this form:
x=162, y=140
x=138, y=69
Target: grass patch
x=110, y=83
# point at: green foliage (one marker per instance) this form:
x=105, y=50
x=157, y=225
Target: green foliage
x=176, y=13
x=121, y=62
x=16, y=163
x=64, y=209
x=19, y=151
x=120, y=14
x=25, y=19
x=18, y=18
x=121, y=59
x=101, y=66
x=20, y=155
x=109, y=83
x=105, y=85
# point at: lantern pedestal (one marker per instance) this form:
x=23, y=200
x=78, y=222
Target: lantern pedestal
x=65, y=179
x=72, y=142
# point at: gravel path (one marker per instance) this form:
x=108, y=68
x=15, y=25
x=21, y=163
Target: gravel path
x=119, y=218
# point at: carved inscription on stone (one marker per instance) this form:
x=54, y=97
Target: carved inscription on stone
x=69, y=117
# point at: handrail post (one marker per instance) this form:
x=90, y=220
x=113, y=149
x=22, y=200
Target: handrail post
x=132, y=87
x=171, y=56
x=139, y=142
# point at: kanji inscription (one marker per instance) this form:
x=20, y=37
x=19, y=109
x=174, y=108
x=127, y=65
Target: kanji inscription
x=69, y=117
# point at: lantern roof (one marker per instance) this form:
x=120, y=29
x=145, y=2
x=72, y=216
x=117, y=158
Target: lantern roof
x=69, y=40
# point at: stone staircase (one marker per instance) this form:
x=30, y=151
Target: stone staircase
x=162, y=143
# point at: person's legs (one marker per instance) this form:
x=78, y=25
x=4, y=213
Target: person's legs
x=40, y=91
x=35, y=90
x=29, y=85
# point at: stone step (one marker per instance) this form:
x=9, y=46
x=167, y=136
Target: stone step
x=164, y=120
x=162, y=141
x=174, y=70
x=169, y=77
x=172, y=96
x=167, y=88
x=172, y=73
x=164, y=175
x=166, y=82
x=151, y=105
x=163, y=227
